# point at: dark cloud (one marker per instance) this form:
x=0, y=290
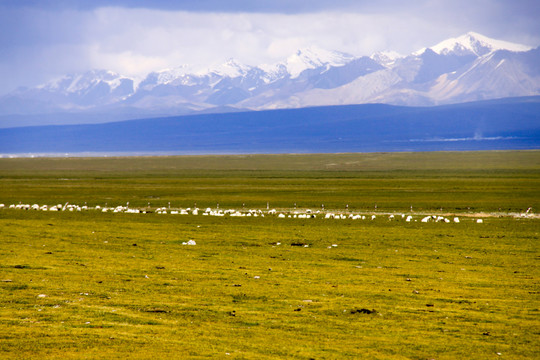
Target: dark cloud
x=276, y=6
x=521, y=8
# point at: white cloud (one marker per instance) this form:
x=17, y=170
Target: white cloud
x=155, y=37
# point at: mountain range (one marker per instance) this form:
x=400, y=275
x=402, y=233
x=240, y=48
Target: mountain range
x=510, y=123
x=471, y=67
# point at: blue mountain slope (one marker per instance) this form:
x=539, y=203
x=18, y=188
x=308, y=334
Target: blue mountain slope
x=496, y=124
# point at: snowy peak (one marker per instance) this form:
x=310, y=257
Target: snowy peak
x=185, y=75
x=314, y=57
x=474, y=43
x=231, y=69
x=386, y=58
x=75, y=83
x=167, y=76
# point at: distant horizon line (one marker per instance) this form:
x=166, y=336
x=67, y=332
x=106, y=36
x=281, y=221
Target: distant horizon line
x=133, y=154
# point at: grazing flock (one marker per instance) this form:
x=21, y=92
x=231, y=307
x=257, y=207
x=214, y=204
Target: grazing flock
x=295, y=214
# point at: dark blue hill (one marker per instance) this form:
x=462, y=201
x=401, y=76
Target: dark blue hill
x=512, y=123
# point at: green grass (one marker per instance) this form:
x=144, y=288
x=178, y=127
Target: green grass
x=456, y=182
x=124, y=286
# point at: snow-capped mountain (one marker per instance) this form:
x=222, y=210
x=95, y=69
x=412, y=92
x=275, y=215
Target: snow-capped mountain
x=80, y=83
x=474, y=43
x=466, y=68
x=313, y=58
x=231, y=69
x=386, y=58
x=70, y=92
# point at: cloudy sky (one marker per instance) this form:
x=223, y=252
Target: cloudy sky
x=44, y=39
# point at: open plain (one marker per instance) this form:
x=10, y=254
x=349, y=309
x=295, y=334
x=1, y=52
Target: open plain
x=103, y=285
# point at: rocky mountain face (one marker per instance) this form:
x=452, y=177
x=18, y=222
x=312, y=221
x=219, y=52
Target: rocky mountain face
x=467, y=68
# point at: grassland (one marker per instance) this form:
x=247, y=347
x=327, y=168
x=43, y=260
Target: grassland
x=456, y=182
x=94, y=285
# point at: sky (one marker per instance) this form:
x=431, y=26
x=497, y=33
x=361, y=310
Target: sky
x=44, y=39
